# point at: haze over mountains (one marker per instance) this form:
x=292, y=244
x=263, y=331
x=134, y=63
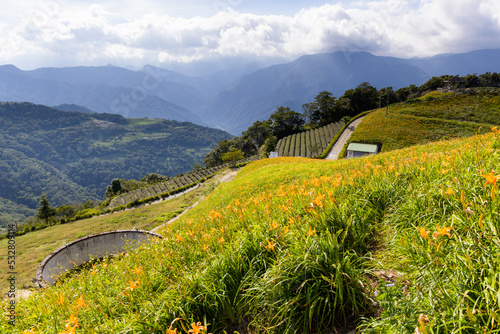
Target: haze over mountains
x=229, y=100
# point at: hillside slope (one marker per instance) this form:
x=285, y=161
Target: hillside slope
x=432, y=117
x=72, y=156
x=304, y=246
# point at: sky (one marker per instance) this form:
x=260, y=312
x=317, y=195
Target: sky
x=133, y=33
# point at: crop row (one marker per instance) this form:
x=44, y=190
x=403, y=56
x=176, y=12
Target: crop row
x=309, y=143
x=165, y=189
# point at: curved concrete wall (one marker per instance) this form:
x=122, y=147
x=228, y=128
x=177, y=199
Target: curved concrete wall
x=82, y=250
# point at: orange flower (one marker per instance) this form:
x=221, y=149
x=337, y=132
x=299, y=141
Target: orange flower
x=29, y=331
x=270, y=246
x=449, y=191
x=61, y=299
x=490, y=178
x=138, y=270
x=422, y=320
x=172, y=331
x=132, y=285
x=197, y=328
x=81, y=302
x=423, y=232
x=71, y=325
x=274, y=225
x=311, y=231
x=442, y=231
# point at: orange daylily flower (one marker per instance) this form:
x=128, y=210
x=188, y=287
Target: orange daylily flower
x=132, y=285
x=29, y=331
x=442, y=231
x=274, y=225
x=138, y=270
x=197, y=328
x=81, y=302
x=270, y=246
x=491, y=178
x=311, y=231
x=449, y=191
x=423, y=232
x=60, y=301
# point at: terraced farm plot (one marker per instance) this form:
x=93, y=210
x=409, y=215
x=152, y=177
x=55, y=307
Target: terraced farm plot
x=308, y=143
x=164, y=189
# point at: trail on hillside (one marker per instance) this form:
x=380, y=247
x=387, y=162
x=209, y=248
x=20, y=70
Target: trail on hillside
x=344, y=137
x=224, y=178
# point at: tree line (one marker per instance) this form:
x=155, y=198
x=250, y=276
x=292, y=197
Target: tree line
x=261, y=137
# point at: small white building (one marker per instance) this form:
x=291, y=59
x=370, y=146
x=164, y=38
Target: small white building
x=355, y=150
x=273, y=154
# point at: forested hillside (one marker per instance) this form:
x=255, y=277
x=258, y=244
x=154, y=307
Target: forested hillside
x=73, y=156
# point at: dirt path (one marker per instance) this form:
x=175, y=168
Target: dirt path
x=334, y=153
x=223, y=178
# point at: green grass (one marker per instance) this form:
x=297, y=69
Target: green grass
x=306, y=246
x=35, y=246
x=437, y=116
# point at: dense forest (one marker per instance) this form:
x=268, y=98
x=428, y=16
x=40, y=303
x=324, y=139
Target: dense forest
x=71, y=157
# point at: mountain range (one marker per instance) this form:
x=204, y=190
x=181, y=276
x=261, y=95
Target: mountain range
x=231, y=99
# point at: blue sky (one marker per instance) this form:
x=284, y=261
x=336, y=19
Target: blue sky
x=37, y=33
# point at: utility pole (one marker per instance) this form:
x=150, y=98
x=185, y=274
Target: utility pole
x=389, y=91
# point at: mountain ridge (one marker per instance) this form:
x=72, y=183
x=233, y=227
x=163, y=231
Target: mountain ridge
x=233, y=106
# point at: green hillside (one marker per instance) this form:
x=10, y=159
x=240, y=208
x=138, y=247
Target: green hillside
x=432, y=117
x=33, y=247
x=73, y=156
x=389, y=243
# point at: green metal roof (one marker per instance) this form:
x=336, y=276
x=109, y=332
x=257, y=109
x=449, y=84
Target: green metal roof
x=369, y=148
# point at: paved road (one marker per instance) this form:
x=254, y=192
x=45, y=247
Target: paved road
x=334, y=153
x=225, y=178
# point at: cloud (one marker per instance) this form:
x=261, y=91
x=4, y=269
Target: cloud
x=64, y=33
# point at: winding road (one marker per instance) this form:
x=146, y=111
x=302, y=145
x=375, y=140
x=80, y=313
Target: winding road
x=344, y=137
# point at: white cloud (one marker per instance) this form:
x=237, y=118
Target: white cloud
x=59, y=32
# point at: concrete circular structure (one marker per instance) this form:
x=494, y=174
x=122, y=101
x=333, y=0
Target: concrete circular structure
x=82, y=250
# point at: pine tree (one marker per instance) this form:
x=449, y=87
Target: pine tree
x=45, y=211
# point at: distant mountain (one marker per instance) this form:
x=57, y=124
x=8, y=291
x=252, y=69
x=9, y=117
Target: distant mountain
x=257, y=95
x=73, y=107
x=230, y=96
x=73, y=156
x=103, y=89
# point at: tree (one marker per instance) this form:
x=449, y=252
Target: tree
x=322, y=111
x=258, y=133
x=434, y=83
x=45, y=211
x=269, y=146
x=232, y=156
x=153, y=178
x=285, y=122
x=362, y=98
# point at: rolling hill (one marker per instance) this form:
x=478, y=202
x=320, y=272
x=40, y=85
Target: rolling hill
x=73, y=156
x=305, y=246
x=404, y=240
x=432, y=117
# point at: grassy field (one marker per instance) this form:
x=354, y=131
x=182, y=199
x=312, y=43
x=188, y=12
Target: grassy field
x=437, y=116
x=35, y=246
x=296, y=245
